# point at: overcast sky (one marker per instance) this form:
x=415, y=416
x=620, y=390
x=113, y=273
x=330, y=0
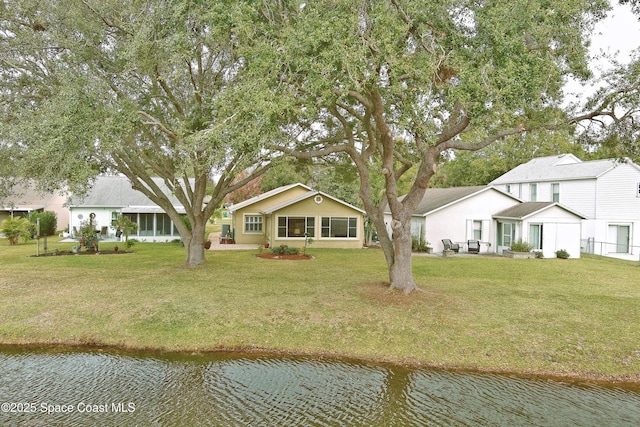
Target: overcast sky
x=617, y=35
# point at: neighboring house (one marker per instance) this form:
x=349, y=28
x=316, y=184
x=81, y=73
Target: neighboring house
x=605, y=192
x=493, y=217
x=547, y=226
x=27, y=199
x=284, y=215
x=111, y=196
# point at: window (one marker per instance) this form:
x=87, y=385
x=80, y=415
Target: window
x=533, y=192
x=477, y=230
x=535, y=236
x=145, y=227
x=555, y=192
x=253, y=223
x=339, y=227
x=638, y=189
x=163, y=225
x=508, y=188
x=296, y=226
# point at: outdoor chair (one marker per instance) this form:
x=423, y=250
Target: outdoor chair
x=103, y=232
x=450, y=246
x=473, y=246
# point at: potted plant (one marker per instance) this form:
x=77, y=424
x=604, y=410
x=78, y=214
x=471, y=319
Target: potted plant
x=519, y=249
x=207, y=244
x=115, y=248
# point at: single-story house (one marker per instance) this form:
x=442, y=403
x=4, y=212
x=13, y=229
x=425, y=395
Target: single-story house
x=26, y=199
x=495, y=218
x=111, y=196
x=288, y=214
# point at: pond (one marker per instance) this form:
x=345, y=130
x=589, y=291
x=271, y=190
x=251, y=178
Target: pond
x=85, y=388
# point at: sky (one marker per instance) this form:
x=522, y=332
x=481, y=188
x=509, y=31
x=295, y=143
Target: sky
x=618, y=35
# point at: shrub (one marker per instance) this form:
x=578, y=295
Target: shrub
x=48, y=222
x=285, y=250
x=419, y=244
x=521, y=246
x=539, y=254
x=16, y=228
x=562, y=254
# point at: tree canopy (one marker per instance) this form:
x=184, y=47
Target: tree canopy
x=132, y=87
x=393, y=84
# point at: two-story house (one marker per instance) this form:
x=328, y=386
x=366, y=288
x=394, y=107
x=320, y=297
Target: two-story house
x=606, y=192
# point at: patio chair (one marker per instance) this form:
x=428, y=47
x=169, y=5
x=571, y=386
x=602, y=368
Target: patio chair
x=103, y=232
x=450, y=246
x=473, y=246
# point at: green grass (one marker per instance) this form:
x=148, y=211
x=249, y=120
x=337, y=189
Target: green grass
x=563, y=317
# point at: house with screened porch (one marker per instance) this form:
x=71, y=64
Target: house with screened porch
x=288, y=215
x=111, y=196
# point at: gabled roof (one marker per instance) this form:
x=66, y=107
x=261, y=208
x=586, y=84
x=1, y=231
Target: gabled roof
x=439, y=198
x=558, y=168
x=528, y=209
x=305, y=196
x=116, y=192
x=266, y=195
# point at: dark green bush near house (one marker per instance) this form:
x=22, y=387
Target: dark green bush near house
x=419, y=244
x=285, y=250
x=562, y=254
x=521, y=246
x=48, y=222
x=539, y=254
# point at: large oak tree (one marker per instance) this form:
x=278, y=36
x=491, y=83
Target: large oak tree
x=393, y=84
x=128, y=86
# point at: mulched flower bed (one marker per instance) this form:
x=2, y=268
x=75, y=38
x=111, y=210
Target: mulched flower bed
x=101, y=252
x=269, y=255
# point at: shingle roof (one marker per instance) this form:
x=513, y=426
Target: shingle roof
x=116, y=191
x=526, y=209
x=25, y=197
x=556, y=168
x=437, y=198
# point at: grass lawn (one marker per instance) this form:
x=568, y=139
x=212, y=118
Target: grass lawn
x=563, y=317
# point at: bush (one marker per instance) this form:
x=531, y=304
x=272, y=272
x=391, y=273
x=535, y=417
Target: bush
x=48, y=222
x=285, y=250
x=562, y=254
x=419, y=244
x=16, y=228
x=521, y=246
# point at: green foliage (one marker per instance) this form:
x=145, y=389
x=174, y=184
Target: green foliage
x=285, y=250
x=394, y=84
x=48, y=222
x=521, y=246
x=562, y=254
x=483, y=166
x=418, y=244
x=15, y=229
x=131, y=87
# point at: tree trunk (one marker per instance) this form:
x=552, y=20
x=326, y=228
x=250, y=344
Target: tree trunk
x=400, y=267
x=194, y=245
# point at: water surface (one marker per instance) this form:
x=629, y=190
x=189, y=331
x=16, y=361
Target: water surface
x=61, y=388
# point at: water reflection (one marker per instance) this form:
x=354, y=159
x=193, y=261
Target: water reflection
x=124, y=390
